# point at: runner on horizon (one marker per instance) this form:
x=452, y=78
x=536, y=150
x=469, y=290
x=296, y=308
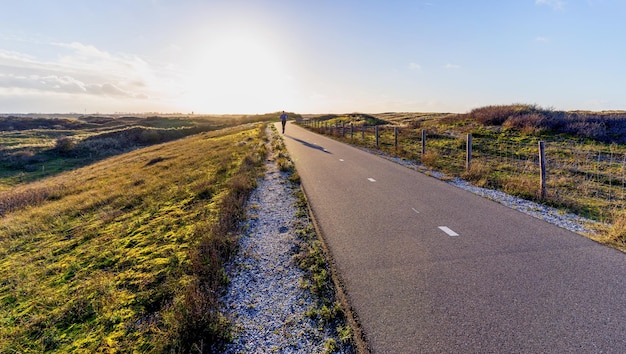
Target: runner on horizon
x=283, y=120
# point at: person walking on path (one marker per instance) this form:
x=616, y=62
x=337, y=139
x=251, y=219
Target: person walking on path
x=283, y=120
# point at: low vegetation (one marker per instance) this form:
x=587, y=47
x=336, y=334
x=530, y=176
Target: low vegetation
x=36, y=146
x=124, y=254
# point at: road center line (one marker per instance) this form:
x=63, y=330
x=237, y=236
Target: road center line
x=371, y=179
x=342, y=160
x=415, y=210
x=448, y=231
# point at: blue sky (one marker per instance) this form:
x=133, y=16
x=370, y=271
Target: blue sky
x=320, y=56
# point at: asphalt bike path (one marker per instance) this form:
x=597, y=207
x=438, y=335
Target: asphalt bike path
x=429, y=267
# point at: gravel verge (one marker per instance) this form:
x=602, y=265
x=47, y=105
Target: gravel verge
x=266, y=300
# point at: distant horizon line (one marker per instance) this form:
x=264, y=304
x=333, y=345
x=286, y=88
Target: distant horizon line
x=6, y=114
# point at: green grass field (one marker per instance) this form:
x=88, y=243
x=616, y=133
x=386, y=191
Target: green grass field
x=124, y=254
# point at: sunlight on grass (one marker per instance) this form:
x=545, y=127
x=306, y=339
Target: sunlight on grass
x=102, y=257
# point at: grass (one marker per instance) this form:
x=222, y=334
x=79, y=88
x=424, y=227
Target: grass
x=125, y=254
x=38, y=146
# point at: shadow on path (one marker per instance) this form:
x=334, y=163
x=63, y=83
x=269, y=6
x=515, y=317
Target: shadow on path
x=307, y=144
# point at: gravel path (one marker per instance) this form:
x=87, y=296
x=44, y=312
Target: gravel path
x=265, y=300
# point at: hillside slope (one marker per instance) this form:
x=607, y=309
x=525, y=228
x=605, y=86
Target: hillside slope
x=126, y=254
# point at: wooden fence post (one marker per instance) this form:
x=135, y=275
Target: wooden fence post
x=395, y=137
x=363, y=132
x=376, y=131
x=468, y=149
x=351, y=130
x=343, y=129
x=423, y=142
x=542, y=168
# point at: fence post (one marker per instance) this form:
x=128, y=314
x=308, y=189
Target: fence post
x=468, y=149
x=542, y=168
x=343, y=129
x=423, y=142
x=351, y=130
x=363, y=132
x=376, y=131
x=395, y=137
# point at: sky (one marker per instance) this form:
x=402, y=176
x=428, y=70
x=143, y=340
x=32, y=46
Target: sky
x=322, y=56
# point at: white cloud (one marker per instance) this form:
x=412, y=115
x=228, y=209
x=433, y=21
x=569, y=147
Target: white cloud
x=542, y=39
x=79, y=69
x=555, y=4
x=452, y=66
x=415, y=67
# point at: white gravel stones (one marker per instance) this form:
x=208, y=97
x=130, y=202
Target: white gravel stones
x=264, y=300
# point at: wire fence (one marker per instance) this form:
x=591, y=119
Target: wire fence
x=586, y=178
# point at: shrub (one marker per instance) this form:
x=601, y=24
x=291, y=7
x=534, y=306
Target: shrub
x=496, y=115
x=587, y=129
x=64, y=145
x=527, y=123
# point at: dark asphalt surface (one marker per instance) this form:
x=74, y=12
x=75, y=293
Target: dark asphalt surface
x=506, y=283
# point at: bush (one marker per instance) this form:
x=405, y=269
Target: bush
x=497, y=115
x=607, y=127
x=590, y=129
x=527, y=123
x=64, y=145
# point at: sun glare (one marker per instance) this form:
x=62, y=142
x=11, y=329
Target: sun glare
x=237, y=73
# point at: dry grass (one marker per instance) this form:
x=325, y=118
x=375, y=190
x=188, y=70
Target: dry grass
x=431, y=159
x=616, y=234
x=478, y=174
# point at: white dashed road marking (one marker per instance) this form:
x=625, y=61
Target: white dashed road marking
x=371, y=179
x=448, y=231
x=342, y=160
x=415, y=210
